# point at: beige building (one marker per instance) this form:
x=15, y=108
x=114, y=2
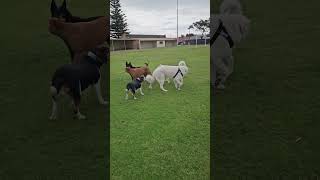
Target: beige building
x=135, y=41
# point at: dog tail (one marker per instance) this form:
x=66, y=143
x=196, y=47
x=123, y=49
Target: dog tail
x=182, y=63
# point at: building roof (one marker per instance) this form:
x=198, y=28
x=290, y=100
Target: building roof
x=145, y=36
x=146, y=39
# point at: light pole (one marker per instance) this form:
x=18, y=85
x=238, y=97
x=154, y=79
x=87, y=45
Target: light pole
x=177, y=22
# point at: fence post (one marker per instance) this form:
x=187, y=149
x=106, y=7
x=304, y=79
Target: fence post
x=112, y=45
x=205, y=41
x=196, y=41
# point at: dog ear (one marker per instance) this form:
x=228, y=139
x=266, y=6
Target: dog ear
x=54, y=9
x=64, y=5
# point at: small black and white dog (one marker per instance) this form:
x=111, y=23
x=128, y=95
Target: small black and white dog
x=134, y=86
x=72, y=79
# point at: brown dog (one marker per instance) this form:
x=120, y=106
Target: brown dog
x=136, y=72
x=82, y=36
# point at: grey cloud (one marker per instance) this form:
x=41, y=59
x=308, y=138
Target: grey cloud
x=159, y=17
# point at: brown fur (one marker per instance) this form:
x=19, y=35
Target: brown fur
x=82, y=36
x=136, y=72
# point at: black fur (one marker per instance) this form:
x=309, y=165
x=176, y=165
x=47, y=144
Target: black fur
x=78, y=77
x=63, y=12
x=135, y=85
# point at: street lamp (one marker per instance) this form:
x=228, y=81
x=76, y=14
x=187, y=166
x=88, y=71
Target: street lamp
x=177, y=22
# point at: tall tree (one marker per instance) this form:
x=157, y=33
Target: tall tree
x=118, y=22
x=203, y=26
x=189, y=28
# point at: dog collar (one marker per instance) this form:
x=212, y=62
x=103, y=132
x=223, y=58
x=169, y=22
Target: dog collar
x=221, y=29
x=179, y=71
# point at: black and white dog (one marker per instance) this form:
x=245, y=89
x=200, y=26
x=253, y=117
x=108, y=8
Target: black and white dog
x=72, y=79
x=134, y=86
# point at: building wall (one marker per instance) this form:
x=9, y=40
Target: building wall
x=161, y=44
x=124, y=45
x=148, y=44
x=198, y=41
x=118, y=44
x=171, y=43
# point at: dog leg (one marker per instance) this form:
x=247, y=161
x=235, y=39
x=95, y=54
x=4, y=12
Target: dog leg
x=230, y=65
x=175, y=83
x=77, y=112
x=180, y=83
x=161, y=79
x=54, y=103
x=161, y=87
x=133, y=92
x=150, y=86
x=222, y=72
x=54, y=110
x=141, y=92
x=127, y=96
x=99, y=96
x=76, y=101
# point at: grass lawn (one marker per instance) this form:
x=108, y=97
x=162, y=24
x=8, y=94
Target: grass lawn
x=31, y=146
x=272, y=99
x=161, y=135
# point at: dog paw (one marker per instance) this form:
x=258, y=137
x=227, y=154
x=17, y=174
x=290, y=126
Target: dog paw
x=150, y=87
x=164, y=90
x=142, y=94
x=81, y=117
x=221, y=87
x=104, y=102
x=135, y=98
x=53, y=117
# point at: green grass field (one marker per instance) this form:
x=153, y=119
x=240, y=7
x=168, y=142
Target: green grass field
x=31, y=146
x=272, y=99
x=161, y=135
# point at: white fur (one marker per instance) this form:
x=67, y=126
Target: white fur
x=150, y=79
x=182, y=63
x=98, y=92
x=54, y=110
x=165, y=72
x=53, y=92
x=221, y=53
x=230, y=7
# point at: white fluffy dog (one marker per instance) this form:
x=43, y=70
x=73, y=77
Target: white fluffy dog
x=230, y=7
x=226, y=30
x=165, y=72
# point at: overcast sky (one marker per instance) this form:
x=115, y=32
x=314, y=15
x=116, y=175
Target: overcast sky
x=160, y=17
